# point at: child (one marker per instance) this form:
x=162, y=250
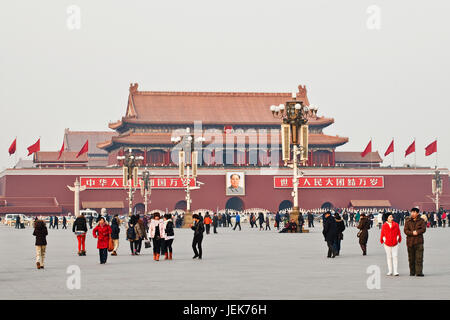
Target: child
x=102, y=231
x=40, y=232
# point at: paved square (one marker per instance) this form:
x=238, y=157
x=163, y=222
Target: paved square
x=249, y=264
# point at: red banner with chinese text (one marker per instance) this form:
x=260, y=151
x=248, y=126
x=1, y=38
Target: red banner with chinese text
x=117, y=182
x=336, y=182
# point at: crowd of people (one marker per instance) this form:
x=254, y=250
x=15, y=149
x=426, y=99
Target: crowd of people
x=415, y=226
x=157, y=231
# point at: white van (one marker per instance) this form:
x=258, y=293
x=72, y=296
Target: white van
x=88, y=213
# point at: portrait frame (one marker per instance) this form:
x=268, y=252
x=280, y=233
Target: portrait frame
x=241, y=187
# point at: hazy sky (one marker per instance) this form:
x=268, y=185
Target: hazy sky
x=381, y=83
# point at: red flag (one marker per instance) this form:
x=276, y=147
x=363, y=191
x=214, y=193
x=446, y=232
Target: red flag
x=35, y=147
x=12, y=148
x=431, y=148
x=84, y=149
x=61, y=151
x=390, y=149
x=411, y=148
x=367, y=149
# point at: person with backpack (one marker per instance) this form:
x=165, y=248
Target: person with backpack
x=363, y=234
x=156, y=234
x=115, y=230
x=141, y=234
x=131, y=234
x=207, y=222
x=40, y=232
x=80, y=229
x=198, y=229
x=102, y=232
x=168, y=237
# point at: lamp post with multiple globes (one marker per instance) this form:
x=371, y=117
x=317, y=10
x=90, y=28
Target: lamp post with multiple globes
x=294, y=130
x=185, y=173
x=130, y=175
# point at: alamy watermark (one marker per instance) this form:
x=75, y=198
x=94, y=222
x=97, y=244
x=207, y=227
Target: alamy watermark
x=374, y=280
x=374, y=19
x=73, y=281
x=73, y=21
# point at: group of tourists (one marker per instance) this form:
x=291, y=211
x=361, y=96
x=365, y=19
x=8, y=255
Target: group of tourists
x=390, y=238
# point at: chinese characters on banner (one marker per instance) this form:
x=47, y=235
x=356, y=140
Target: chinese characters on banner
x=331, y=182
x=117, y=183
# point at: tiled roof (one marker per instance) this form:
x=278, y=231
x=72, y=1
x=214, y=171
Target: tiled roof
x=74, y=140
x=163, y=138
x=370, y=203
x=345, y=157
x=224, y=108
x=66, y=156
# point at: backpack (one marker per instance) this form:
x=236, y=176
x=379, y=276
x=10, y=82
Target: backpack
x=131, y=233
x=169, y=229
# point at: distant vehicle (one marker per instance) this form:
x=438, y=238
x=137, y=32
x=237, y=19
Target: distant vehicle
x=10, y=219
x=88, y=213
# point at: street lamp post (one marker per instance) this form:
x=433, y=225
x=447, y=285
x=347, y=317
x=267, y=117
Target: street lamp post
x=130, y=175
x=294, y=130
x=437, y=188
x=146, y=188
x=185, y=170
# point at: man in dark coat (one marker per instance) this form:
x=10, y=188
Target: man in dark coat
x=64, y=222
x=215, y=222
x=17, y=222
x=301, y=222
x=329, y=232
x=340, y=227
x=363, y=226
x=345, y=217
x=56, y=223
x=278, y=220
x=310, y=220
x=414, y=229
x=91, y=218
x=198, y=229
x=50, y=224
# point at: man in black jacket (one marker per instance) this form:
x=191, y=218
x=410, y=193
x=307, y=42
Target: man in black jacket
x=215, y=222
x=329, y=233
x=310, y=220
x=198, y=236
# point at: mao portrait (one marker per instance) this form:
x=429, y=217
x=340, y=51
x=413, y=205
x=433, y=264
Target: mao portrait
x=235, y=184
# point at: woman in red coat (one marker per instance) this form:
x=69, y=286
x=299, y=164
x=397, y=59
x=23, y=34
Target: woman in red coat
x=102, y=231
x=391, y=237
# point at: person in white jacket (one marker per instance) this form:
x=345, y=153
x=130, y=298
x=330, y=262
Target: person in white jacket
x=156, y=234
x=168, y=236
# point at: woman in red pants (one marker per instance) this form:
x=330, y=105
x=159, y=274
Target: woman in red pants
x=80, y=229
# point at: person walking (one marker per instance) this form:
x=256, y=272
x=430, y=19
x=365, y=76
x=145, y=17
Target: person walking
x=329, y=233
x=207, y=221
x=237, y=222
x=64, y=221
x=168, y=236
x=215, y=222
x=363, y=234
x=345, y=217
x=91, y=219
x=352, y=216
x=102, y=232
x=277, y=220
x=40, y=232
x=310, y=220
x=267, y=222
x=444, y=218
x=79, y=227
x=17, y=226
x=56, y=222
x=198, y=229
x=156, y=232
x=301, y=222
x=391, y=236
x=340, y=227
x=115, y=230
x=414, y=229
x=50, y=224
x=131, y=234
x=261, y=221
x=141, y=234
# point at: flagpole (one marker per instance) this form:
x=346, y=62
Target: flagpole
x=415, y=154
x=436, y=155
x=393, y=153
x=370, y=154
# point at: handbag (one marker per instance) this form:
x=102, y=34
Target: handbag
x=147, y=244
x=359, y=233
x=110, y=245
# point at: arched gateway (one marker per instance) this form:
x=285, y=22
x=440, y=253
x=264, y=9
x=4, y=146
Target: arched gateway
x=235, y=203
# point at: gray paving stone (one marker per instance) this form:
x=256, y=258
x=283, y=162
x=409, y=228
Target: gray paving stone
x=247, y=264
